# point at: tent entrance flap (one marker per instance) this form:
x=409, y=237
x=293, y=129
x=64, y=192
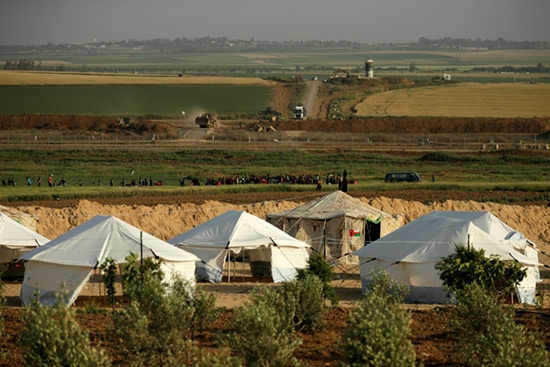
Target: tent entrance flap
x=372, y=231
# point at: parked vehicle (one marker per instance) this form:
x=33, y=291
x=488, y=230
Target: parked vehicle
x=299, y=112
x=402, y=177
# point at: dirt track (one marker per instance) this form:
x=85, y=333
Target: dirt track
x=419, y=125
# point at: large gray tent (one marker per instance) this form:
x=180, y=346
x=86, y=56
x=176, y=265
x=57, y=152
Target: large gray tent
x=336, y=224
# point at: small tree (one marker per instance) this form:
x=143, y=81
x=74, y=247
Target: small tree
x=51, y=337
x=488, y=334
x=318, y=266
x=262, y=337
x=301, y=303
x=154, y=326
x=3, y=334
x=468, y=265
x=378, y=330
x=109, y=273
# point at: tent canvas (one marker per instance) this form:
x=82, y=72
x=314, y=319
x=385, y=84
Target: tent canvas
x=237, y=231
x=67, y=262
x=16, y=239
x=410, y=253
x=336, y=224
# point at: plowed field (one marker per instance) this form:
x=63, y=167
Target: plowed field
x=431, y=336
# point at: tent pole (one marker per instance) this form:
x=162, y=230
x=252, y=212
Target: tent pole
x=229, y=266
x=141, y=255
x=141, y=248
x=325, y=239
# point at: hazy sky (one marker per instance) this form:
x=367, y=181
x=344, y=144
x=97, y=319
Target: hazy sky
x=370, y=21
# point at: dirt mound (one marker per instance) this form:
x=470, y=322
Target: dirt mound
x=84, y=124
x=419, y=125
x=168, y=220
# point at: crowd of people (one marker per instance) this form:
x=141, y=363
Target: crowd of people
x=331, y=179
x=51, y=182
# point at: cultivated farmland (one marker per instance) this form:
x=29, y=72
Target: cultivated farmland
x=43, y=78
x=463, y=100
x=166, y=100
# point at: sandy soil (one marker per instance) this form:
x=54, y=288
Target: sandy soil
x=168, y=219
x=433, y=340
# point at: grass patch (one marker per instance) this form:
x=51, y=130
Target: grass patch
x=132, y=100
x=468, y=172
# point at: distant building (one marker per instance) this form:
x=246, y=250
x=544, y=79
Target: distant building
x=369, y=69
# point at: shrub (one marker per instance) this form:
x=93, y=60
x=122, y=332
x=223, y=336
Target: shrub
x=51, y=337
x=196, y=357
x=301, y=303
x=154, y=326
x=468, y=265
x=109, y=273
x=439, y=157
x=488, y=334
x=134, y=274
x=308, y=300
x=318, y=266
x=378, y=330
x=3, y=335
x=262, y=337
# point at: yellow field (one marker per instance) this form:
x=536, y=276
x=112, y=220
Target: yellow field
x=461, y=100
x=8, y=77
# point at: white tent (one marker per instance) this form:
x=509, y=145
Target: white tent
x=336, y=224
x=236, y=231
x=20, y=217
x=67, y=262
x=16, y=239
x=410, y=253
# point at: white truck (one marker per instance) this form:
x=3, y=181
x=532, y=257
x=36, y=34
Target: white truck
x=299, y=112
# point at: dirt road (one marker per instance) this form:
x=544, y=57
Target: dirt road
x=310, y=97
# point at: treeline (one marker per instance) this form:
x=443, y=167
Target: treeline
x=182, y=45
x=461, y=43
x=226, y=45
x=540, y=68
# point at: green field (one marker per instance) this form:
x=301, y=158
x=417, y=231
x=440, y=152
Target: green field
x=167, y=100
x=480, y=172
x=260, y=63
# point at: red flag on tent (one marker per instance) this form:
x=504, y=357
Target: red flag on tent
x=354, y=233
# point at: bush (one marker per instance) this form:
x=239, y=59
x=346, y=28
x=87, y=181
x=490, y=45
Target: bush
x=468, y=265
x=109, y=268
x=378, y=330
x=439, y=157
x=51, y=337
x=317, y=265
x=300, y=303
x=3, y=335
x=488, y=334
x=154, y=326
x=196, y=357
x=262, y=337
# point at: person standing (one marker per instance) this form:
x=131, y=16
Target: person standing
x=345, y=181
x=50, y=180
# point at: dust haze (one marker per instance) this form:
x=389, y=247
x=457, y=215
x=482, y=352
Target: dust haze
x=374, y=21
